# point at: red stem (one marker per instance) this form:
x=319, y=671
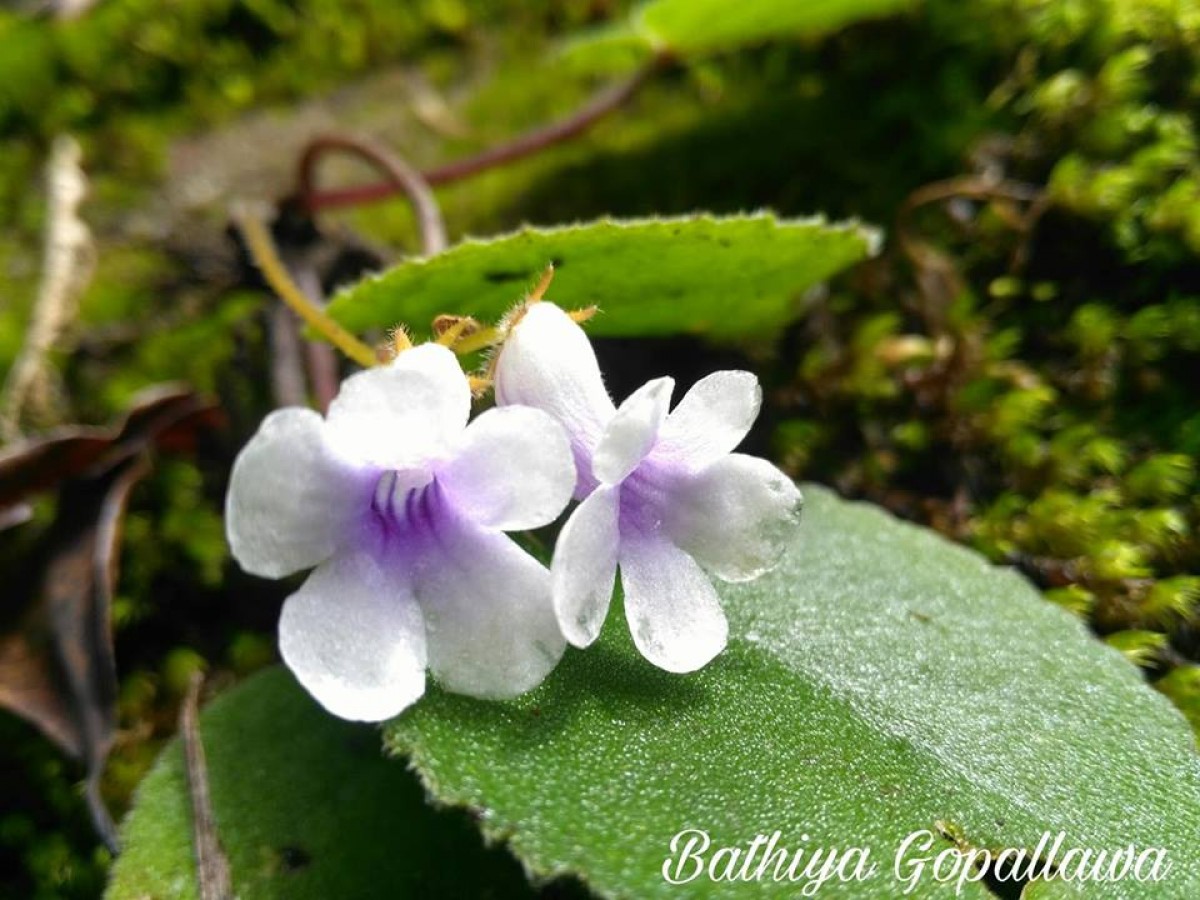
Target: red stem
x=401, y=178
x=608, y=100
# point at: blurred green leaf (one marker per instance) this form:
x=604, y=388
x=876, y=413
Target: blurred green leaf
x=730, y=277
x=695, y=28
x=613, y=49
x=306, y=806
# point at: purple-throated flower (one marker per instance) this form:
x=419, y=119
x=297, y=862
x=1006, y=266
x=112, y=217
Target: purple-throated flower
x=663, y=497
x=401, y=508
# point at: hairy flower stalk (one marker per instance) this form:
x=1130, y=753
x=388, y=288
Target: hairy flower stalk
x=663, y=497
x=401, y=507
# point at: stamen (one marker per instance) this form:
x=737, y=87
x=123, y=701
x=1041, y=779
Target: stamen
x=539, y=290
x=480, y=340
x=400, y=340
x=450, y=329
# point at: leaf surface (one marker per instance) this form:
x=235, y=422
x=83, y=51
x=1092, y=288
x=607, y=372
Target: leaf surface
x=727, y=277
x=882, y=681
x=305, y=806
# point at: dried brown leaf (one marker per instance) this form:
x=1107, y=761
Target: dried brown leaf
x=168, y=416
x=56, y=653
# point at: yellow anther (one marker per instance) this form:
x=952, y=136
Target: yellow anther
x=450, y=330
x=480, y=384
x=579, y=316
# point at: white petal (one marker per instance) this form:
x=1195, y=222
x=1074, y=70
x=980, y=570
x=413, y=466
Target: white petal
x=735, y=517
x=290, y=502
x=585, y=565
x=404, y=414
x=512, y=469
x=673, y=610
x=631, y=433
x=711, y=419
x=489, y=618
x=354, y=638
x=548, y=363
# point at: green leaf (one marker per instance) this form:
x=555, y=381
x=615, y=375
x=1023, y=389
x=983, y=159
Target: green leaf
x=612, y=49
x=881, y=682
x=696, y=28
x=729, y=277
x=306, y=806
x=693, y=27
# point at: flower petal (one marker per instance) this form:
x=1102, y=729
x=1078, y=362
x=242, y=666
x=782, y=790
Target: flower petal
x=735, y=517
x=354, y=637
x=631, y=433
x=585, y=565
x=489, y=618
x=404, y=414
x=711, y=419
x=673, y=610
x=548, y=363
x=290, y=502
x=512, y=469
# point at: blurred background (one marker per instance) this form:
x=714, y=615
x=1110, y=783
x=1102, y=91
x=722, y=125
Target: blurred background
x=1017, y=369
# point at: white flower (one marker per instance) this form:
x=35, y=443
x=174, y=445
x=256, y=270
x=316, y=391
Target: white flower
x=662, y=494
x=401, y=508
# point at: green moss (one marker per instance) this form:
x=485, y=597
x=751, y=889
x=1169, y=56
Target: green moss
x=1182, y=685
x=1044, y=416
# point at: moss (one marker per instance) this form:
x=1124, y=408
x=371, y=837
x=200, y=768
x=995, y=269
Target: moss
x=1039, y=411
x=1182, y=685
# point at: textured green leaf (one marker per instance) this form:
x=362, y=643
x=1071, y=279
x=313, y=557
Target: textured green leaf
x=306, y=806
x=881, y=681
x=724, y=277
x=695, y=28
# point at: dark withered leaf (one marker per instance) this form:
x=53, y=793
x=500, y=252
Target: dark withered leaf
x=168, y=417
x=56, y=652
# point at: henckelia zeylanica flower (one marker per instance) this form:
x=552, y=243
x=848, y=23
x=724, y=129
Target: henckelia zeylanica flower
x=664, y=498
x=401, y=507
